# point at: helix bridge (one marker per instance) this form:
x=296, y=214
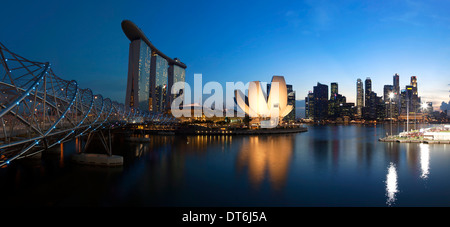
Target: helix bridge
x=39, y=110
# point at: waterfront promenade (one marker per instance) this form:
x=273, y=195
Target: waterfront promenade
x=433, y=135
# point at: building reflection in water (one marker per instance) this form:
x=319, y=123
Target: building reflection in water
x=424, y=160
x=266, y=156
x=391, y=184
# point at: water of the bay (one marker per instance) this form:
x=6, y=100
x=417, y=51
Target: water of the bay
x=331, y=165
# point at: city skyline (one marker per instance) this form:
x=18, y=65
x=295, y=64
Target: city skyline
x=327, y=41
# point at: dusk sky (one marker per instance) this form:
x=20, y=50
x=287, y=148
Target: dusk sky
x=228, y=41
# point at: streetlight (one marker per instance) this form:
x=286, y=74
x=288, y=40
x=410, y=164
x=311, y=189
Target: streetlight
x=391, y=96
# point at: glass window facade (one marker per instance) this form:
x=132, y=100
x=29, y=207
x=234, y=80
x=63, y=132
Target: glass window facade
x=179, y=75
x=144, y=76
x=161, y=83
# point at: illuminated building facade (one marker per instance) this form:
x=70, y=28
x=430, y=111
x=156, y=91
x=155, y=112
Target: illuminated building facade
x=359, y=97
x=274, y=107
x=151, y=73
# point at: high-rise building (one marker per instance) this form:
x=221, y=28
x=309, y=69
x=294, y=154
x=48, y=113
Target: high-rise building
x=408, y=107
x=414, y=84
x=159, y=80
x=138, y=85
x=415, y=101
x=390, y=103
x=320, y=102
x=335, y=103
x=334, y=88
x=368, y=90
x=359, y=98
x=309, y=106
x=387, y=90
x=176, y=74
x=396, y=84
x=149, y=77
x=290, y=101
x=397, y=92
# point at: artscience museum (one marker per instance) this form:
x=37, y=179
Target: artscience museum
x=266, y=110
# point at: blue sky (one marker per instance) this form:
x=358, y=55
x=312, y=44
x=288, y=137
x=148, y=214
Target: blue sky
x=305, y=41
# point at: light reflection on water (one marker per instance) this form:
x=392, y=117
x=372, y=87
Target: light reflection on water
x=266, y=156
x=391, y=184
x=424, y=160
x=326, y=166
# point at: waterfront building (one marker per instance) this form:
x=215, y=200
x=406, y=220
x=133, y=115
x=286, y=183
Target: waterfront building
x=138, y=83
x=397, y=92
x=309, y=106
x=415, y=100
x=335, y=103
x=334, y=89
x=151, y=73
x=320, y=102
x=347, y=110
x=368, y=90
x=390, y=103
x=261, y=109
x=396, y=84
x=290, y=101
x=387, y=90
x=158, y=84
x=176, y=74
x=359, y=98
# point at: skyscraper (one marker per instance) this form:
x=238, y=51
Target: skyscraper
x=309, y=106
x=320, y=102
x=397, y=92
x=138, y=84
x=176, y=74
x=335, y=103
x=368, y=90
x=387, y=90
x=334, y=88
x=396, y=84
x=359, y=97
x=159, y=81
x=414, y=84
x=290, y=101
x=149, y=77
x=414, y=96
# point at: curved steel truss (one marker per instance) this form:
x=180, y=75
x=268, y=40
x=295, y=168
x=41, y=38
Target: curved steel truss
x=39, y=110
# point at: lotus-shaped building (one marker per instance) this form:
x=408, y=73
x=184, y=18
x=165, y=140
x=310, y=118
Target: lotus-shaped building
x=256, y=105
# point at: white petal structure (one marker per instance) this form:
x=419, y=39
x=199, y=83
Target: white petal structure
x=276, y=104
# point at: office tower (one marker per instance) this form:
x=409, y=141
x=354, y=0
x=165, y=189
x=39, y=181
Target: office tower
x=320, y=102
x=359, y=98
x=389, y=103
x=387, y=90
x=414, y=84
x=334, y=89
x=290, y=101
x=396, y=85
x=397, y=92
x=415, y=102
x=309, y=106
x=368, y=90
x=335, y=102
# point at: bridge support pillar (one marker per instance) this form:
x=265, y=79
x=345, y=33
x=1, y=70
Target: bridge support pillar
x=107, y=159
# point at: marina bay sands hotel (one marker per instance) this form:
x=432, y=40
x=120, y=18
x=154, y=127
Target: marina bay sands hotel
x=151, y=73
